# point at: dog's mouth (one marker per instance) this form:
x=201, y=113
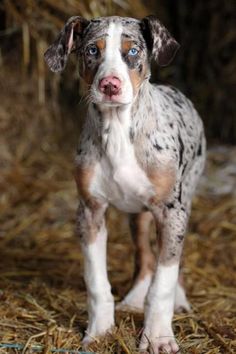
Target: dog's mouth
x=110, y=100
x=114, y=101
x=112, y=97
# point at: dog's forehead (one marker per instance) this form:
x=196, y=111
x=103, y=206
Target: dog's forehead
x=99, y=27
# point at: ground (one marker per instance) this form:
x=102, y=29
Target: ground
x=42, y=296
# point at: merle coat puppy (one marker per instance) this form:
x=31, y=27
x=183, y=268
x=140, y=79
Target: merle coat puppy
x=142, y=150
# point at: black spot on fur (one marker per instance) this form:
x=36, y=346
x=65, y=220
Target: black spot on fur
x=199, y=150
x=131, y=135
x=174, y=89
x=181, y=119
x=177, y=103
x=180, y=238
x=96, y=21
x=184, y=168
x=126, y=35
x=157, y=146
x=171, y=125
x=181, y=150
x=95, y=107
x=180, y=194
x=170, y=205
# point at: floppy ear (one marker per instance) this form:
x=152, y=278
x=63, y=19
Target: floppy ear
x=159, y=41
x=69, y=39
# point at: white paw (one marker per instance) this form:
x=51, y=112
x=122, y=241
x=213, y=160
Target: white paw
x=181, y=302
x=101, y=322
x=162, y=340
x=134, y=300
x=88, y=339
x=92, y=336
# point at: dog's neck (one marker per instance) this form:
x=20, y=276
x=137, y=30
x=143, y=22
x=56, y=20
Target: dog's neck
x=112, y=125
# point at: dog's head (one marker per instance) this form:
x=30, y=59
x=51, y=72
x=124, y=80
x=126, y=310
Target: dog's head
x=114, y=54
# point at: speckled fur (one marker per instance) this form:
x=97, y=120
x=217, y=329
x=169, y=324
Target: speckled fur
x=156, y=136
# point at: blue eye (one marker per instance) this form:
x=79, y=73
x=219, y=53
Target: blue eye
x=133, y=52
x=92, y=50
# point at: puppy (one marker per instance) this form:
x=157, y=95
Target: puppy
x=142, y=150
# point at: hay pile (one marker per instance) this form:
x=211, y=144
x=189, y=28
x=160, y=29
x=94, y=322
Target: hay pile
x=42, y=297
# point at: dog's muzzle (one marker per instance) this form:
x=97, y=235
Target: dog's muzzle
x=110, y=86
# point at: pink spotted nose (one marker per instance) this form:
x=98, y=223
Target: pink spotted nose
x=110, y=85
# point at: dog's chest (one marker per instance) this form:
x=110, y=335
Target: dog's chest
x=118, y=178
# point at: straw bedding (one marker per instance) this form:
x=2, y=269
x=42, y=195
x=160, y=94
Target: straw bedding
x=42, y=296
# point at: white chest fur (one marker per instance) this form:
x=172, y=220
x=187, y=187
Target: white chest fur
x=118, y=178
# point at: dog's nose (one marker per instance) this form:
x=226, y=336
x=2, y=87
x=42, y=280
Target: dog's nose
x=110, y=85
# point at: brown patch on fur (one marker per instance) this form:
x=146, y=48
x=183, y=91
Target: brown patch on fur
x=83, y=176
x=144, y=258
x=136, y=79
x=163, y=181
x=91, y=213
x=101, y=44
x=88, y=74
x=126, y=45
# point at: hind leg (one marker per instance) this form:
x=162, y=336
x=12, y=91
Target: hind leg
x=144, y=267
x=144, y=262
x=181, y=301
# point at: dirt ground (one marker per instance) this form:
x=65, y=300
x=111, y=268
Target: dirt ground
x=42, y=292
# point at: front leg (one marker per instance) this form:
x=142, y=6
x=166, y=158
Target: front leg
x=93, y=236
x=159, y=307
